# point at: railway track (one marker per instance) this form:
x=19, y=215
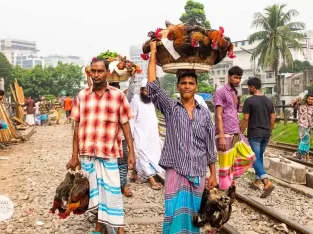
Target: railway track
x=262, y=209
x=292, y=148
x=275, y=216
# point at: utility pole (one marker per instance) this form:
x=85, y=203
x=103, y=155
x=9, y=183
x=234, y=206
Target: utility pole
x=254, y=67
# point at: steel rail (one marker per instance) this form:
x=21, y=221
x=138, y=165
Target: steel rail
x=276, y=215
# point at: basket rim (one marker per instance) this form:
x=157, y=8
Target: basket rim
x=173, y=67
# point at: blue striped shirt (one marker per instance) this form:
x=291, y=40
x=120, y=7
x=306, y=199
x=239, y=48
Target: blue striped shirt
x=189, y=144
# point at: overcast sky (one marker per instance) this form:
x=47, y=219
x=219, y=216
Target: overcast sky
x=86, y=28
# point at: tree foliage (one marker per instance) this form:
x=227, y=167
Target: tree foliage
x=39, y=80
x=275, y=38
x=298, y=66
x=203, y=85
x=195, y=11
x=5, y=70
x=168, y=83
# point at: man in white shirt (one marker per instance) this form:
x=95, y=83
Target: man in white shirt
x=199, y=100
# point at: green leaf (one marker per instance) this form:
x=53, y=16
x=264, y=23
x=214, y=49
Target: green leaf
x=39, y=80
x=275, y=38
x=195, y=10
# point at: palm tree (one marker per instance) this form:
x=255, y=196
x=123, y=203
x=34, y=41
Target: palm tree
x=278, y=34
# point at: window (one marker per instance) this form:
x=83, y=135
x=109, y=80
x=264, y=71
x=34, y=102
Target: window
x=269, y=90
x=213, y=73
x=236, y=44
x=224, y=72
x=243, y=43
x=218, y=72
x=269, y=74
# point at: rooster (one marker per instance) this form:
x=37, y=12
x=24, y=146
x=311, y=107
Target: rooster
x=215, y=36
x=62, y=194
x=79, y=196
x=215, y=209
x=226, y=44
x=230, y=51
x=178, y=34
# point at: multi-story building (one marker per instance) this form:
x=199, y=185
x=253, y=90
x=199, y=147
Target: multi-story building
x=53, y=60
x=243, y=51
x=25, y=60
x=9, y=47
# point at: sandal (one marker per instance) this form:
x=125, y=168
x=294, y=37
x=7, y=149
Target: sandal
x=267, y=191
x=254, y=186
x=126, y=191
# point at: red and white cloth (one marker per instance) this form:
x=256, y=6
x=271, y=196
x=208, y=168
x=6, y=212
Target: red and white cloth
x=99, y=118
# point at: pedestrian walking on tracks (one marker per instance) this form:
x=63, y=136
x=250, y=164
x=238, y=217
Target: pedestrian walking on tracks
x=99, y=113
x=145, y=131
x=234, y=153
x=305, y=124
x=68, y=105
x=259, y=118
x=188, y=149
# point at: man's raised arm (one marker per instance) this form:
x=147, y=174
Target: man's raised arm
x=158, y=97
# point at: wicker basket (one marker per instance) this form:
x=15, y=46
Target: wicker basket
x=114, y=77
x=201, y=65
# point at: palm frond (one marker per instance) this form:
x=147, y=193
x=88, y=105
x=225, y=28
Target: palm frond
x=278, y=34
x=288, y=16
x=257, y=36
x=294, y=26
x=260, y=21
x=260, y=47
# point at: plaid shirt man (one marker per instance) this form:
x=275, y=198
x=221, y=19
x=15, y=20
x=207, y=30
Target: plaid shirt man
x=99, y=118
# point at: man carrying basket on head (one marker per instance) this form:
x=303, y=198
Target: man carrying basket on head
x=99, y=112
x=188, y=150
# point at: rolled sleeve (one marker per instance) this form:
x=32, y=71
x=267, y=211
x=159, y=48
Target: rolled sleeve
x=75, y=113
x=158, y=97
x=218, y=98
x=125, y=112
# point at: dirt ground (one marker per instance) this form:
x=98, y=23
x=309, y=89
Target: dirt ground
x=29, y=178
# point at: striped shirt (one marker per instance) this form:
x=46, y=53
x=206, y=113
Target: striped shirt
x=189, y=145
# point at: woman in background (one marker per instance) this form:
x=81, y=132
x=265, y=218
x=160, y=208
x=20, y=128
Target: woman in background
x=305, y=114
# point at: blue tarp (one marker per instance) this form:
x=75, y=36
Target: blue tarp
x=206, y=96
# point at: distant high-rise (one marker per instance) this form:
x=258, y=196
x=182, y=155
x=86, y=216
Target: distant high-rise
x=10, y=47
x=53, y=60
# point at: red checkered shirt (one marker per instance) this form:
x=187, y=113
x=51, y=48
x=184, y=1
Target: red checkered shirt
x=99, y=118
